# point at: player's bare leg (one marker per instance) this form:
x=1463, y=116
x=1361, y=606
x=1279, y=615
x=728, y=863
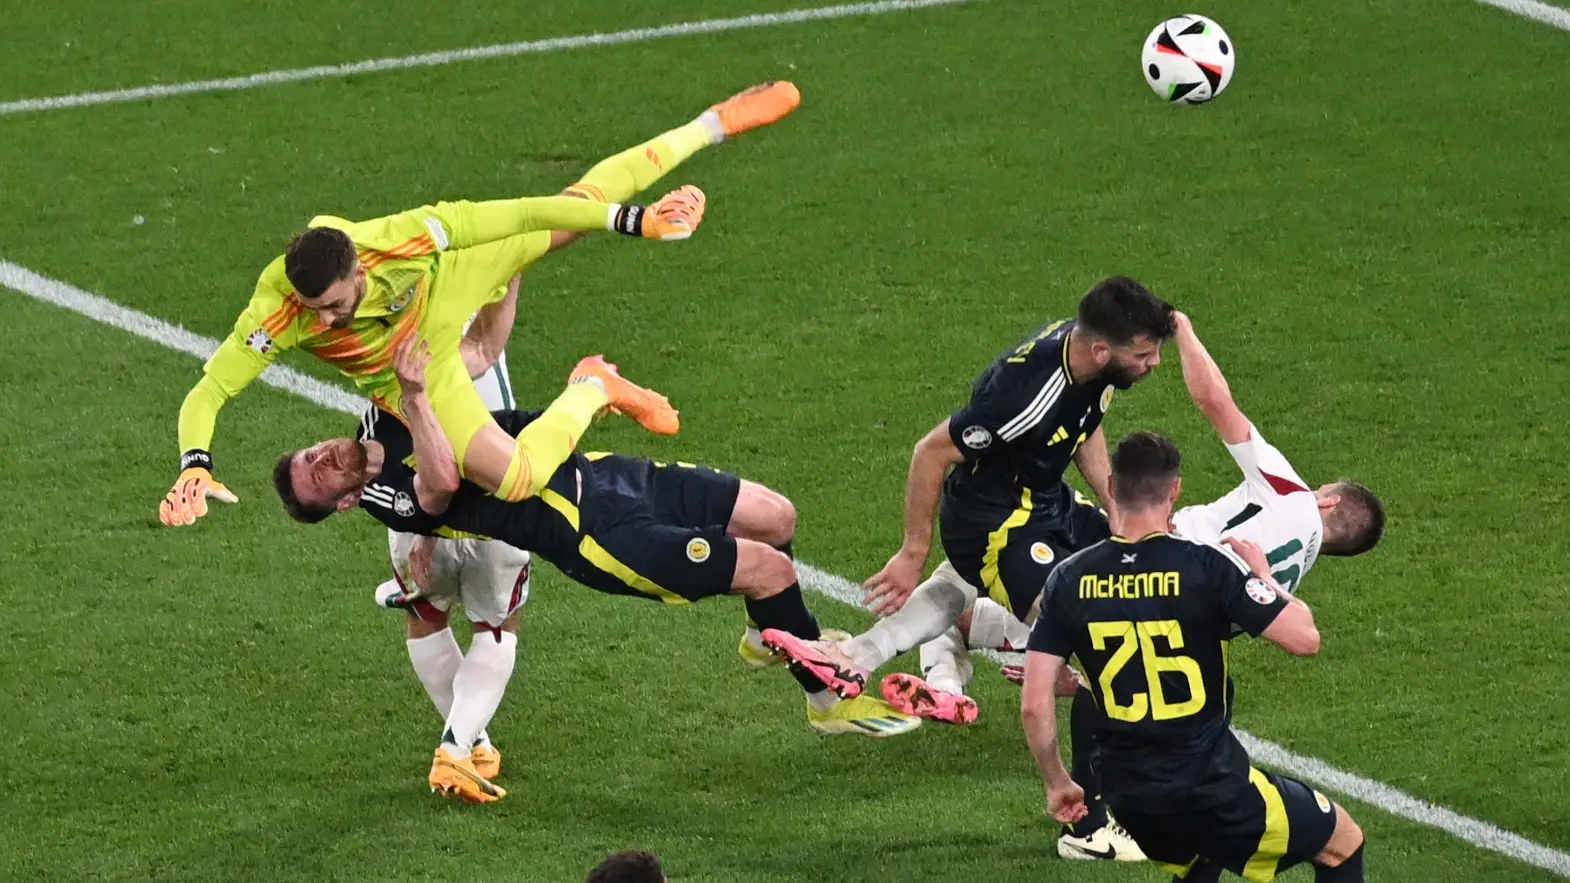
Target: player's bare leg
x=769, y=517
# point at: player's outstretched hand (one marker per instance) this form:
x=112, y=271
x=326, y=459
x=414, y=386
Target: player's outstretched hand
x=1014, y=674
x=889, y=588
x=1251, y=554
x=187, y=500
x=409, y=362
x=1066, y=803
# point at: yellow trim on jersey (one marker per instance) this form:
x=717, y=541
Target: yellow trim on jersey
x=562, y=505
x=595, y=554
x=1278, y=833
x=455, y=534
x=995, y=543
x=1127, y=541
x=1226, y=674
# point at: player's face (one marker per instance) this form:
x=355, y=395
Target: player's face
x=330, y=473
x=337, y=305
x=1128, y=365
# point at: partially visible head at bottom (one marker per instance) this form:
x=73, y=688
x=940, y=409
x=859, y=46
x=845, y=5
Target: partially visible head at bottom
x=628, y=866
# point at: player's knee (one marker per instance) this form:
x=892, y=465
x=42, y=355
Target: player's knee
x=761, y=570
x=764, y=515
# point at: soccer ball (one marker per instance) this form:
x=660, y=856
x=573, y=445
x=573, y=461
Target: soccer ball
x=1189, y=59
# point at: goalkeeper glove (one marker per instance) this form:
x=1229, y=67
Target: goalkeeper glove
x=187, y=500
x=673, y=216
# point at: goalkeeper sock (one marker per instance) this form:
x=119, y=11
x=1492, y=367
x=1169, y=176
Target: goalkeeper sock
x=478, y=688
x=617, y=178
x=436, y=659
x=547, y=442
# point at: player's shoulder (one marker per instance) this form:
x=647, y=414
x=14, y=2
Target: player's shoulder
x=1031, y=363
x=1086, y=560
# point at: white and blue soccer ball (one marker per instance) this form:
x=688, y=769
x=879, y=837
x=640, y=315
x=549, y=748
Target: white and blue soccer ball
x=1189, y=59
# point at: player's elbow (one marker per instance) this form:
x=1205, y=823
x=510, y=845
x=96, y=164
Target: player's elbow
x=1301, y=641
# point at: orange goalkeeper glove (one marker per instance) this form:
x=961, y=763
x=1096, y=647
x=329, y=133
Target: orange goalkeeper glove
x=673, y=216
x=187, y=500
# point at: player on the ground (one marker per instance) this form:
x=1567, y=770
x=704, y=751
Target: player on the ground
x=351, y=292
x=1150, y=616
x=1007, y=514
x=488, y=578
x=616, y=524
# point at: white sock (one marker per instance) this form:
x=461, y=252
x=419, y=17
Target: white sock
x=929, y=611
x=945, y=663
x=436, y=659
x=823, y=700
x=712, y=120
x=755, y=639
x=478, y=688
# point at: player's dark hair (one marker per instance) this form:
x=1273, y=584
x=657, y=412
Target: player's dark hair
x=283, y=481
x=1118, y=309
x=1144, y=465
x=317, y=258
x=628, y=866
x=1357, y=522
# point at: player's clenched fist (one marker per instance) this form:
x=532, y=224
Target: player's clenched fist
x=187, y=500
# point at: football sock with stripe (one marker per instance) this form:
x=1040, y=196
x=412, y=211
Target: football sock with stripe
x=617, y=178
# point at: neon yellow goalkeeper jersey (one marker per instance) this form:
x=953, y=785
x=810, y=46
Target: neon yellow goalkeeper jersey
x=401, y=254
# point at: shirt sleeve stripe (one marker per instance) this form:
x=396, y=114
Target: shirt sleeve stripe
x=1037, y=409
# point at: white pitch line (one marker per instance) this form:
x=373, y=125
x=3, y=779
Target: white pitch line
x=501, y=50
x=1396, y=802
x=1548, y=15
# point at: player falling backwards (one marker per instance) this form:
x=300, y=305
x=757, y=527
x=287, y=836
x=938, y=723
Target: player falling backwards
x=350, y=292
x=616, y=524
x=1007, y=514
x=1150, y=616
x=1272, y=507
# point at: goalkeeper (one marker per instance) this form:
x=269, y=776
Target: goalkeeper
x=351, y=292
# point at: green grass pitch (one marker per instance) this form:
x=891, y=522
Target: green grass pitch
x=1369, y=230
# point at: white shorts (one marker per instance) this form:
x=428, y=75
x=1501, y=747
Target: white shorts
x=488, y=577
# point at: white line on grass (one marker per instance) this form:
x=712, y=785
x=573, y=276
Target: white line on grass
x=1548, y=15
x=501, y=50
x=1473, y=831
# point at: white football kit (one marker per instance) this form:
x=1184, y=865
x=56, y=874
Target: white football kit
x=1273, y=508
x=489, y=577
